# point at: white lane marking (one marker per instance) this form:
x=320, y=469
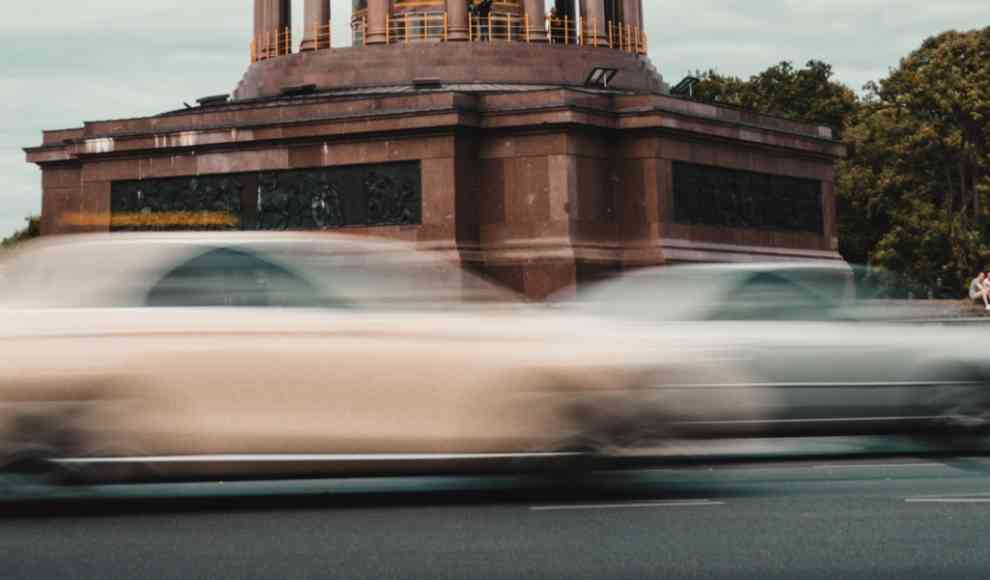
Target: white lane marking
x=611, y=506
x=946, y=500
x=951, y=496
x=875, y=465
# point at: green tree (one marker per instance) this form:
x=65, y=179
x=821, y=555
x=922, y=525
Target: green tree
x=945, y=88
x=808, y=94
x=912, y=193
x=32, y=230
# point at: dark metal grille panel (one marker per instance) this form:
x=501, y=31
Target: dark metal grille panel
x=200, y=203
x=305, y=199
x=716, y=196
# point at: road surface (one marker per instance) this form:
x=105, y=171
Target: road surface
x=891, y=518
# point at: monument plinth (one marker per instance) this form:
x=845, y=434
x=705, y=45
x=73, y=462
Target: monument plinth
x=539, y=147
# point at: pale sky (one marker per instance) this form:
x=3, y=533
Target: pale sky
x=69, y=61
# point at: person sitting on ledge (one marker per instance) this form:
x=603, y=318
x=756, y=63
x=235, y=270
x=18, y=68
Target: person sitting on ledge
x=979, y=289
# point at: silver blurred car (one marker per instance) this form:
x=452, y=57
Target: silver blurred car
x=212, y=354
x=826, y=361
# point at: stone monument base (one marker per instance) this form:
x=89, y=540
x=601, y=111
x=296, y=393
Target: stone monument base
x=539, y=186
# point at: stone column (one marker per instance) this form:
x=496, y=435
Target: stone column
x=642, y=20
x=631, y=17
x=316, y=32
x=593, y=21
x=274, y=16
x=378, y=15
x=283, y=23
x=264, y=26
x=536, y=15
x=259, y=23
x=457, y=20
x=259, y=26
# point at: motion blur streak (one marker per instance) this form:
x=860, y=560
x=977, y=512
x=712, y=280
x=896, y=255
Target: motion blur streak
x=199, y=355
x=207, y=355
x=824, y=343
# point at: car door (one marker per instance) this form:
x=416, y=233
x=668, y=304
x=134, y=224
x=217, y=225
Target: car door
x=264, y=362
x=829, y=375
x=225, y=359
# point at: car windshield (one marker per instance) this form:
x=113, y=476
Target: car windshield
x=51, y=274
x=685, y=293
x=384, y=277
x=672, y=294
x=179, y=272
x=767, y=292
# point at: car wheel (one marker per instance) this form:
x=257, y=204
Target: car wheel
x=36, y=442
x=52, y=443
x=961, y=407
x=33, y=461
x=970, y=413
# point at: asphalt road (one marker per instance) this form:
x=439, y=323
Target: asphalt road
x=898, y=518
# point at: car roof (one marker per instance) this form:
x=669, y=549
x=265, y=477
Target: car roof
x=158, y=248
x=693, y=291
x=87, y=265
x=164, y=239
x=748, y=267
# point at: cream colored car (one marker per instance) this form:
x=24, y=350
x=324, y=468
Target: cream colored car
x=202, y=355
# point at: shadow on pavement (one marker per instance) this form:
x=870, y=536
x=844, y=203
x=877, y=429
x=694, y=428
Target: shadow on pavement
x=388, y=493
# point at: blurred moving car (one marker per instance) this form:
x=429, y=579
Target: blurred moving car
x=828, y=361
x=218, y=354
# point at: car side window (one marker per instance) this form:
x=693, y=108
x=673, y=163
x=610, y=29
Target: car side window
x=766, y=296
x=234, y=278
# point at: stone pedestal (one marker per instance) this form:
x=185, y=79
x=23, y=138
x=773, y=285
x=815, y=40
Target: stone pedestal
x=459, y=63
x=538, y=187
x=495, y=154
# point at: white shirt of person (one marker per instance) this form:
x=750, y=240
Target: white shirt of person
x=977, y=287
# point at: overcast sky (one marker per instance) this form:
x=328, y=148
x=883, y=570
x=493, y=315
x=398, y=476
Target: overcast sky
x=69, y=61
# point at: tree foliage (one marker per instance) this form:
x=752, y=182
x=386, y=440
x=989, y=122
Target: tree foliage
x=32, y=230
x=913, y=193
x=808, y=94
